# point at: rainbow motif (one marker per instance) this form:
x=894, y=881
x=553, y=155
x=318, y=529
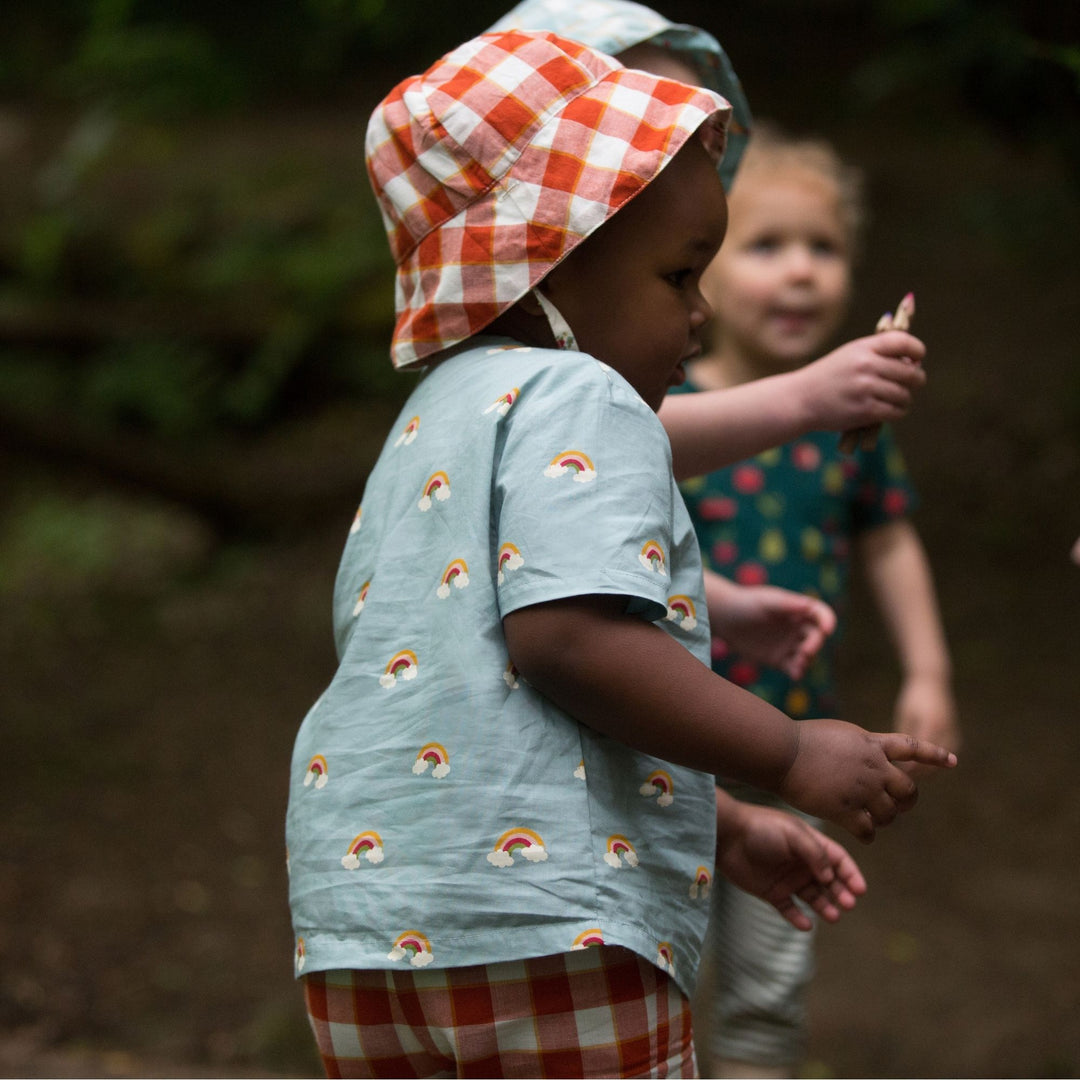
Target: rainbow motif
x=702, y=883
x=456, y=574
x=366, y=845
x=316, y=772
x=435, y=755
x=652, y=557
x=356, y=521
x=414, y=945
x=503, y=404
x=576, y=463
x=361, y=599
x=408, y=433
x=510, y=676
x=300, y=955
x=437, y=487
x=509, y=559
x=588, y=938
x=402, y=665
x=523, y=842
x=659, y=783
x=620, y=852
x=681, y=611
x=665, y=957
x=579, y=772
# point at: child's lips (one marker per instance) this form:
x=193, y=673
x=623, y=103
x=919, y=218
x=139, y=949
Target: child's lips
x=794, y=321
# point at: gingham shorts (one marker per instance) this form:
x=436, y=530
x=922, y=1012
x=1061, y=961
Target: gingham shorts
x=597, y=1012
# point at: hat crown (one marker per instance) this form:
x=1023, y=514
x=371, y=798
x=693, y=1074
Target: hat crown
x=460, y=127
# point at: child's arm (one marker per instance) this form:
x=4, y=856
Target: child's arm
x=777, y=856
x=632, y=681
x=769, y=625
x=900, y=579
x=866, y=381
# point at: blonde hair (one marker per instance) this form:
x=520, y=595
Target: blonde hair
x=771, y=150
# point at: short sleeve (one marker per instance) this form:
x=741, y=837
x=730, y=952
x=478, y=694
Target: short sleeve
x=583, y=494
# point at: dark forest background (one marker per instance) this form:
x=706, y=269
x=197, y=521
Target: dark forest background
x=195, y=306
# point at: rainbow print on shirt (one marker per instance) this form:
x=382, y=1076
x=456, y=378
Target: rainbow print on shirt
x=300, y=955
x=316, y=772
x=682, y=612
x=432, y=754
x=652, y=558
x=436, y=487
x=366, y=845
x=357, y=521
x=701, y=886
x=361, y=599
x=408, y=433
x=510, y=676
x=509, y=559
x=503, y=404
x=665, y=957
x=456, y=574
x=402, y=665
x=517, y=841
x=414, y=945
x=588, y=938
x=659, y=783
x=618, y=850
x=574, y=462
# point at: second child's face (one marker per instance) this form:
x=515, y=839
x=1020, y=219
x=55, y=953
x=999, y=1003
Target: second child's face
x=630, y=291
x=781, y=282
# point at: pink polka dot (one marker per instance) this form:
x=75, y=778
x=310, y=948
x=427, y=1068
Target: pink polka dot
x=805, y=455
x=717, y=508
x=894, y=501
x=751, y=573
x=743, y=673
x=748, y=479
x=724, y=552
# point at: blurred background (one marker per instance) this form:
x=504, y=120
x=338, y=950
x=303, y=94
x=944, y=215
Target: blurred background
x=195, y=306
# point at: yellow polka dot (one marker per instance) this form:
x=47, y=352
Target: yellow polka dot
x=812, y=542
x=770, y=505
x=770, y=457
x=772, y=547
x=694, y=486
x=797, y=702
x=832, y=478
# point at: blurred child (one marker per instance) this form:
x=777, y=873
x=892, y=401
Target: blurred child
x=868, y=378
x=501, y=845
x=791, y=517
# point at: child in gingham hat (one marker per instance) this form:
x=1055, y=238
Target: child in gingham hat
x=501, y=845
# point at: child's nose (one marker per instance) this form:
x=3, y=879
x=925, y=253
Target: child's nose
x=701, y=312
x=799, y=262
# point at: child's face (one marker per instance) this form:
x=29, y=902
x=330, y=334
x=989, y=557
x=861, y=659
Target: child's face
x=630, y=292
x=781, y=282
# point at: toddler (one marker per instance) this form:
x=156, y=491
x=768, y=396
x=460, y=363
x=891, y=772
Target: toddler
x=503, y=828
x=770, y=626
x=791, y=517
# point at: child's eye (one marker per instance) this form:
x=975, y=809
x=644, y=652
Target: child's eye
x=765, y=245
x=825, y=248
x=678, y=278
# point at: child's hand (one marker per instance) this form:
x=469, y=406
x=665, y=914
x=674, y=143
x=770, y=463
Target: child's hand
x=853, y=777
x=867, y=381
x=926, y=710
x=768, y=625
x=777, y=856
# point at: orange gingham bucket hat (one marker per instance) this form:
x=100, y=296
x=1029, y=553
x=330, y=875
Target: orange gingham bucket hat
x=500, y=159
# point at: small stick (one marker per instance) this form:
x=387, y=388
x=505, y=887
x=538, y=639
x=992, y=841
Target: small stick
x=866, y=437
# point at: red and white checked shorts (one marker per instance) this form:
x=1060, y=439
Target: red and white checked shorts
x=597, y=1012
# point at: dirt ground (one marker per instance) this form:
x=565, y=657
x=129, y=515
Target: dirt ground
x=148, y=720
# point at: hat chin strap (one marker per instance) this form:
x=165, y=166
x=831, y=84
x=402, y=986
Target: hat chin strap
x=560, y=328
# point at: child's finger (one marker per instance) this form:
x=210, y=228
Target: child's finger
x=900, y=747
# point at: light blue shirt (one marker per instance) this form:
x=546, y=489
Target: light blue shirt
x=441, y=811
